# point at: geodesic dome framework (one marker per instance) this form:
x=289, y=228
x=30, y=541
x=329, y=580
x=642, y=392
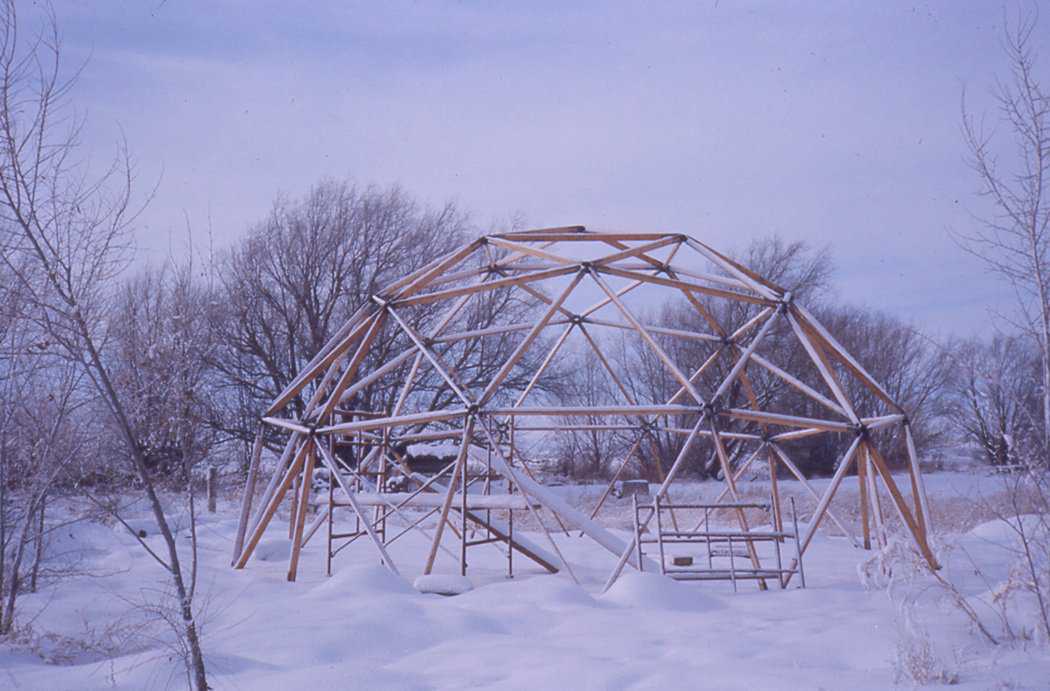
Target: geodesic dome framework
x=576, y=285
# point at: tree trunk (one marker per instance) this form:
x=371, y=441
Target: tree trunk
x=38, y=545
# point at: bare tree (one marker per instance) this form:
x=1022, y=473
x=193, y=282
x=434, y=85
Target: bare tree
x=1013, y=236
x=996, y=397
x=72, y=229
x=301, y=273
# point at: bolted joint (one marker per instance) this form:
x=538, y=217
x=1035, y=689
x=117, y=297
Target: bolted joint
x=862, y=431
x=473, y=409
x=727, y=341
x=576, y=319
x=381, y=301
x=766, y=437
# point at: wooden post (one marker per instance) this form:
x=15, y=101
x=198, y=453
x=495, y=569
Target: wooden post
x=213, y=481
x=862, y=488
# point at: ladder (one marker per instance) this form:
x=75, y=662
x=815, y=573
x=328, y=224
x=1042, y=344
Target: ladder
x=719, y=544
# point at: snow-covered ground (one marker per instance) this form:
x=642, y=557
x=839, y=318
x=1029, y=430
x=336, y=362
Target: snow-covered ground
x=365, y=628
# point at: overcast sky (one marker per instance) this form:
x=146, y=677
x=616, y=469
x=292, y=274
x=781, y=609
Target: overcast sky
x=836, y=123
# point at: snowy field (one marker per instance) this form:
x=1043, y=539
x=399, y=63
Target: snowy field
x=364, y=628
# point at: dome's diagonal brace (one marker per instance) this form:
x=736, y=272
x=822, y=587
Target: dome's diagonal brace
x=647, y=337
x=505, y=370
x=435, y=359
x=823, y=366
x=843, y=355
x=825, y=500
x=790, y=464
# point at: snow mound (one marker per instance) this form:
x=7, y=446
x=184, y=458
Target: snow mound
x=273, y=550
x=654, y=591
x=442, y=584
x=1005, y=531
x=372, y=579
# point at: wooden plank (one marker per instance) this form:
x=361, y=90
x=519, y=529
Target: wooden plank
x=662, y=330
x=743, y=359
x=640, y=250
x=727, y=473
x=624, y=410
x=329, y=353
x=532, y=236
x=446, y=263
x=829, y=494
x=352, y=366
